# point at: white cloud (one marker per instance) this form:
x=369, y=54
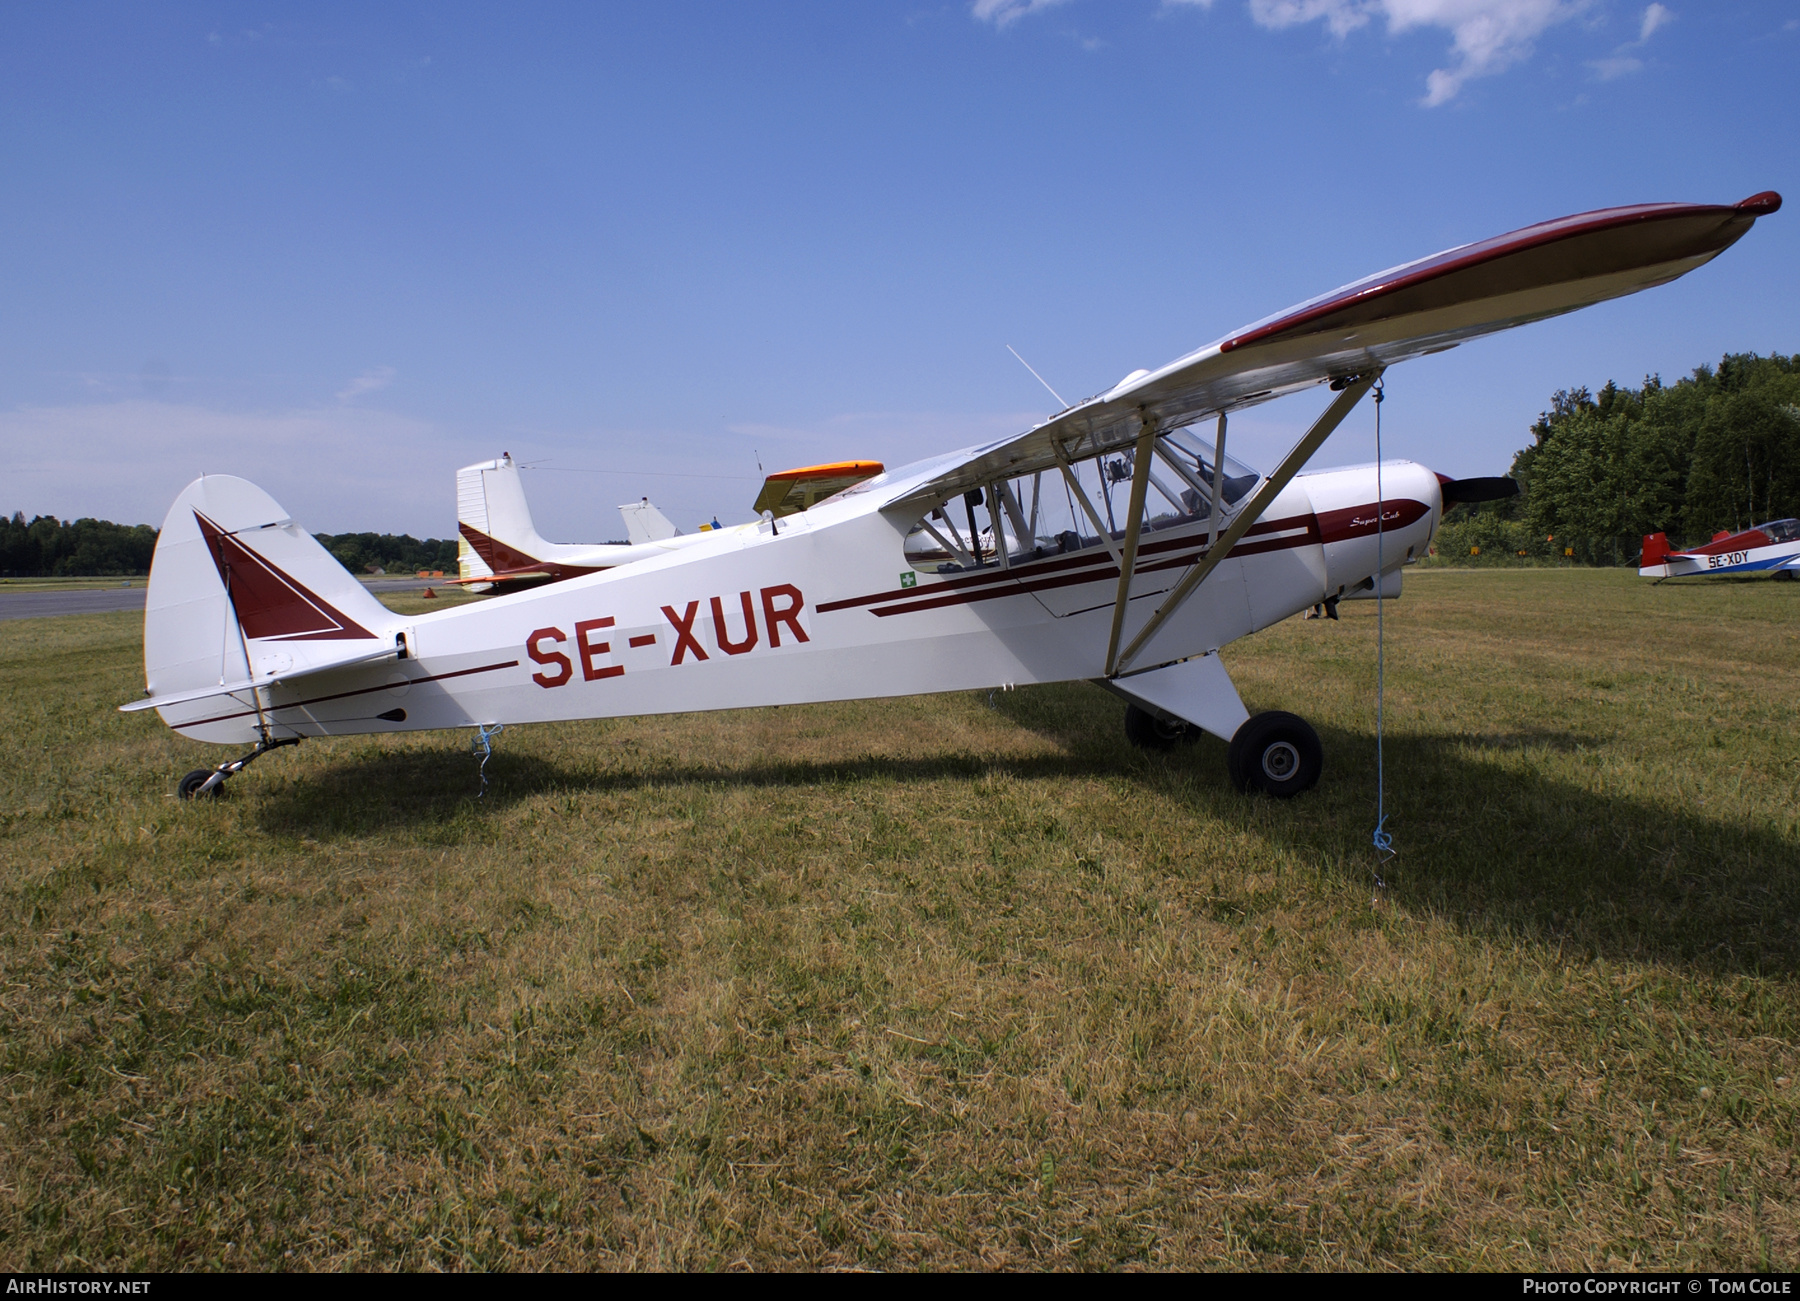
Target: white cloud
x=1342, y=16
x=1622, y=62
x=1619, y=65
x=1001, y=13
x=1487, y=36
x=370, y=381
x=1655, y=16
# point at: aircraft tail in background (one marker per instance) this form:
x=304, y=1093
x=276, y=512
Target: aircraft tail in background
x=497, y=543
x=491, y=509
x=644, y=523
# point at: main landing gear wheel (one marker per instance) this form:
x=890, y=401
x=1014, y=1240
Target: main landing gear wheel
x=1276, y=753
x=189, y=788
x=1148, y=732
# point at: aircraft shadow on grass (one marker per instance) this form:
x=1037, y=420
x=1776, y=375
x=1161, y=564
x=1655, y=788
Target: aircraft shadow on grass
x=1499, y=849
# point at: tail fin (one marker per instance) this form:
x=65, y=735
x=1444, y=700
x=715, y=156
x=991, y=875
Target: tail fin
x=1656, y=550
x=240, y=593
x=490, y=499
x=644, y=523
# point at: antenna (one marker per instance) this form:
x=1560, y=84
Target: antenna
x=759, y=468
x=1039, y=378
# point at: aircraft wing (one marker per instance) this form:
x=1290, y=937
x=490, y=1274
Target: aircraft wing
x=1407, y=311
x=788, y=491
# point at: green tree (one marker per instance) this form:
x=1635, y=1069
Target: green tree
x=1746, y=463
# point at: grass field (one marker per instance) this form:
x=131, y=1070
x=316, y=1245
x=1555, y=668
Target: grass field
x=934, y=982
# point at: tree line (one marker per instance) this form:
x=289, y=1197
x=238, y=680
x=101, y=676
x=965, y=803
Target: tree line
x=48, y=547
x=1716, y=451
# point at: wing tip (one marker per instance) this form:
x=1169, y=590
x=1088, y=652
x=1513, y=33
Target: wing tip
x=1760, y=205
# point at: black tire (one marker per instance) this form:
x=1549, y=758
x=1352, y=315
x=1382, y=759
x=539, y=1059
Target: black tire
x=191, y=784
x=1276, y=753
x=1148, y=732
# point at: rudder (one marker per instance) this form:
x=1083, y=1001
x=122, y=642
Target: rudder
x=239, y=592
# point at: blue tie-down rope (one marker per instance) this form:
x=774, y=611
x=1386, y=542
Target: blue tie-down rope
x=1382, y=840
x=483, y=745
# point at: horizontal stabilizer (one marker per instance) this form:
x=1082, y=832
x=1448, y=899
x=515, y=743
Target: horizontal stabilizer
x=233, y=688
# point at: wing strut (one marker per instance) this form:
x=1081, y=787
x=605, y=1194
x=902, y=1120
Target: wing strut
x=1111, y=543
x=1212, y=534
x=1252, y=510
x=1134, y=528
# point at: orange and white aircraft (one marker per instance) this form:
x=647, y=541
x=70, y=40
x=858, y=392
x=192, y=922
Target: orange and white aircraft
x=1113, y=542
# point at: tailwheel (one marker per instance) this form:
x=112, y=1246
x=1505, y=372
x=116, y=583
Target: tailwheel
x=193, y=786
x=189, y=787
x=1148, y=732
x=1277, y=753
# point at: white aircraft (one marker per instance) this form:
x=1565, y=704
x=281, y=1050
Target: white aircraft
x=499, y=546
x=1110, y=543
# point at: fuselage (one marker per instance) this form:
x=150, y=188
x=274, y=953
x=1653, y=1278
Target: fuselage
x=825, y=605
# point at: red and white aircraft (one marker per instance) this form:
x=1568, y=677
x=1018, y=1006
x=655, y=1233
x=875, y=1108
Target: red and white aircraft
x=1772, y=548
x=1111, y=543
x=499, y=546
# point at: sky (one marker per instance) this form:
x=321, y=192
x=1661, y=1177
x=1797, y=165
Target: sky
x=341, y=250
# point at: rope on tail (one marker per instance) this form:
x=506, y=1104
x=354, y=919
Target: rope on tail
x=483, y=745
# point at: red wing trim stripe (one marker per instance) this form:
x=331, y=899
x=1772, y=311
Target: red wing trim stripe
x=1717, y=227
x=340, y=695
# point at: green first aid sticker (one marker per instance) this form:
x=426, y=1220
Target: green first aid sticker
x=909, y=579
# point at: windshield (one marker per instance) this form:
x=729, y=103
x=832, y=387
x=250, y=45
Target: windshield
x=1044, y=514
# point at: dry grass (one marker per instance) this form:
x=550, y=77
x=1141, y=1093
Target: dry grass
x=929, y=983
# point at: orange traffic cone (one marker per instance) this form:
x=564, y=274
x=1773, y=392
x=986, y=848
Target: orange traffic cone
x=430, y=595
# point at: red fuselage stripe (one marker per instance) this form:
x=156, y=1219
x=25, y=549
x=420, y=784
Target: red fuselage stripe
x=1171, y=553
x=1086, y=558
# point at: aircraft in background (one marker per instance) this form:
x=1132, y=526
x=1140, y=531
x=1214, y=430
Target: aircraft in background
x=499, y=547
x=1119, y=546
x=1772, y=548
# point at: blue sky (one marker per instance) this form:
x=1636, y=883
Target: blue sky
x=342, y=250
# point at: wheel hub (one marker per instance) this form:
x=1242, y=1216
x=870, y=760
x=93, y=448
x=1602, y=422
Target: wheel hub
x=1280, y=761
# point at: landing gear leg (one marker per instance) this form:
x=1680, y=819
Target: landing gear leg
x=209, y=783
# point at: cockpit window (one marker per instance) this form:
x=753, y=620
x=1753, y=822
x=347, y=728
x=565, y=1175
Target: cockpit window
x=1017, y=520
x=1781, y=530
